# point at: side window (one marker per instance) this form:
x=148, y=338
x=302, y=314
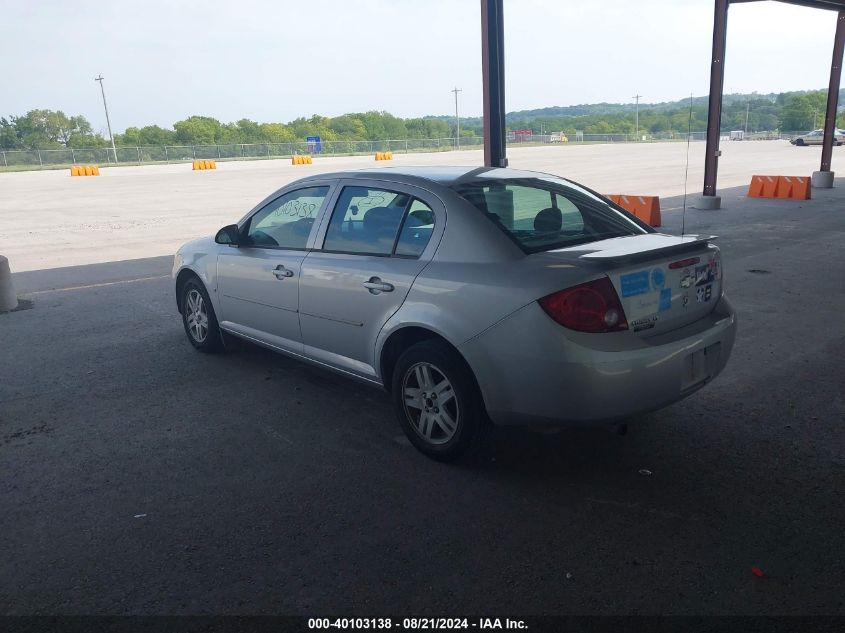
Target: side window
x=530, y=211
x=416, y=230
x=366, y=221
x=286, y=222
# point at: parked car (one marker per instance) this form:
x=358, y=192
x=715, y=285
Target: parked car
x=816, y=137
x=470, y=294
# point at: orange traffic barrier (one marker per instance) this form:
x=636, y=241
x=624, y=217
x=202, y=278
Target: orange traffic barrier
x=301, y=160
x=763, y=187
x=200, y=165
x=84, y=170
x=793, y=187
x=384, y=155
x=783, y=187
x=646, y=208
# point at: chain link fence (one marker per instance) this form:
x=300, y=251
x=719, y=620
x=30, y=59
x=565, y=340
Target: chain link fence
x=225, y=151
x=150, y=154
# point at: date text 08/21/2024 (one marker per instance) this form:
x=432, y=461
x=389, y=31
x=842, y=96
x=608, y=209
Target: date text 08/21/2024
x=416, y=623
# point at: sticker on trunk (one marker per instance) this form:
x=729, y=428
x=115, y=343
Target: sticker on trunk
x=665, y=300
x=704, y=293
x=644, y=324
x=658, y=278
x=634, y=284
x=642, y=305
x=705, y=275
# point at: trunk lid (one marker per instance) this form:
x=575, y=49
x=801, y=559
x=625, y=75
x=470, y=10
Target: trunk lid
x=663, y=281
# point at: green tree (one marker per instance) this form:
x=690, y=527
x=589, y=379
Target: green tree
x=8, y=134
x=49, y=129
x=198, y=130
x=148, y=135
x=277, y=133
x=804, y=111
x=349, y=127
x=155, y=135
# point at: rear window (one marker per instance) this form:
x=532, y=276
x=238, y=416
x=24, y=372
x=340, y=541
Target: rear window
x=542, y=214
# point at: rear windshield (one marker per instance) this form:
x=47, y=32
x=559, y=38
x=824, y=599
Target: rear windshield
x=542, y=214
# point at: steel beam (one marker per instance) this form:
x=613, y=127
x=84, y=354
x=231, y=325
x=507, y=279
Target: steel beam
x=714, y=109
x=835, y=5
x=833, y=92
x=493, y=79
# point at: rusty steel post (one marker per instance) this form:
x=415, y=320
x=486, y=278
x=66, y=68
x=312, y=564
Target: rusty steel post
x=714, y=110
x=833, y=92
x=493, y=80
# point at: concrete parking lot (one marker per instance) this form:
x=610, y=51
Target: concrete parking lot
x=141, y=477
x=49, y=219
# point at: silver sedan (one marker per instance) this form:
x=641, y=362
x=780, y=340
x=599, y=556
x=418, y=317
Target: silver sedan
x=471, y=295
x=816, y=137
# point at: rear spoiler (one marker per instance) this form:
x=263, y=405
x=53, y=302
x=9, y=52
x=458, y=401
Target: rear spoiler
x=623, y=254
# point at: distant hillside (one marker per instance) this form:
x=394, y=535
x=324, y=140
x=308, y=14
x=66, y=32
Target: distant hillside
x=786, y=111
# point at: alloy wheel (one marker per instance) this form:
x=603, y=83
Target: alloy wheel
x=430, y=403
x=196, y=315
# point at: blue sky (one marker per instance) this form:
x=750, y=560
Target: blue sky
x=277, y=60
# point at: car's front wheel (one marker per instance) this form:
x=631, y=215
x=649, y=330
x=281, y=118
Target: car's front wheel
x=199, y=319
x=799, y=142
x=437, y=400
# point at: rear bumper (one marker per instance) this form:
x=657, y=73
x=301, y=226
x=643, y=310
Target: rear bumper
x=533, y=371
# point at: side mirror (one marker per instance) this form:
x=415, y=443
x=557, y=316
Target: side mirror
x=228, y=235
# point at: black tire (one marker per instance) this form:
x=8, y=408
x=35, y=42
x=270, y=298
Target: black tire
x=212, y=341
x=799, y=142
x=465, y=407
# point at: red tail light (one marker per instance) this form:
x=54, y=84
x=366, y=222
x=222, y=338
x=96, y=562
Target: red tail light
x=590, y=307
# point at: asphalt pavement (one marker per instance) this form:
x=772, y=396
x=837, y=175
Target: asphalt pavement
x=138, y=476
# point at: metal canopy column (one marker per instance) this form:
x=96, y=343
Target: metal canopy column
x=709, y=200
x=824, y=177
x=493, y=78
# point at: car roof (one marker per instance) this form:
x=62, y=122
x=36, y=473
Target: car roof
x=445, y=175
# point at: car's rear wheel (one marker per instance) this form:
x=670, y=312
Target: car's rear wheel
x=437, y=400
x=199, y=319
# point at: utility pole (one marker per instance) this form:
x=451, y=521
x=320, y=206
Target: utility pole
x=106, y=108
x=456, y=90
x=747, y=109
x=637, y=98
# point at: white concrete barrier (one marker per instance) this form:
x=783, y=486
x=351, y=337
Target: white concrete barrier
x=8, y=298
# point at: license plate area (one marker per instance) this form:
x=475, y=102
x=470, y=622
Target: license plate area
x=700, y=366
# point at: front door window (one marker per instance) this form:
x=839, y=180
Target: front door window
x=286, y=222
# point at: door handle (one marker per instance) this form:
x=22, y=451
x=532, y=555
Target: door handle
x=281, y=272
x=376, y=286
